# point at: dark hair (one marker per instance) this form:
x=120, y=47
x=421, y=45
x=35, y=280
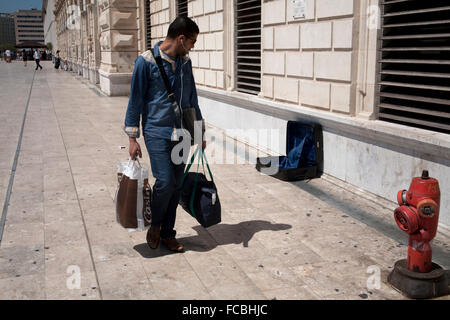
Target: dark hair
x=182, y=26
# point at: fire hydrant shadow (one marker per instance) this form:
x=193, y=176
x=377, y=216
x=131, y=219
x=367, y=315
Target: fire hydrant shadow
x=211, y=238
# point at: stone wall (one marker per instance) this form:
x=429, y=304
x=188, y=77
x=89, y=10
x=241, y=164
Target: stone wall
x=299, y=56
x=208, y=54
x=93, y=45
x=76, y=25
x=118, y=43
x=308, y=61
x=50, y=23
x=98, y=40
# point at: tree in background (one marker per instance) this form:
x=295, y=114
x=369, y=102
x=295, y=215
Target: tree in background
x=7, y=46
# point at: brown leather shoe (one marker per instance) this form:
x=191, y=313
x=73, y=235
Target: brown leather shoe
x=153, y=237
x=173, y=244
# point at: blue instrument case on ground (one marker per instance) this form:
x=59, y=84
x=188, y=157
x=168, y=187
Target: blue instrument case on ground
x=304, y=154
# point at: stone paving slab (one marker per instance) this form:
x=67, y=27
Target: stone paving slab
x=277, y=240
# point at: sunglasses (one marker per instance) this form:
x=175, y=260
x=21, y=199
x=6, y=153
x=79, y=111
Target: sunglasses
x=193, y=40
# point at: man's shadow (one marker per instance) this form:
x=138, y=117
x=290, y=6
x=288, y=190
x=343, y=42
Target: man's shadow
x=209, y=239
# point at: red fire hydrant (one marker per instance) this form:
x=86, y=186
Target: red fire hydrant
x=418, y=216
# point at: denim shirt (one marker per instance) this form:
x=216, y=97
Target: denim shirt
x=149, y=97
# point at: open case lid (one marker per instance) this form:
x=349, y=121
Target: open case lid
x=296, y=133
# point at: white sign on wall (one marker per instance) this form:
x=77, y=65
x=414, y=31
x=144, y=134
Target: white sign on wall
x=298, y=8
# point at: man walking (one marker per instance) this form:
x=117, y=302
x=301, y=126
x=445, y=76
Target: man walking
x=8, y=56
x=37, y=57
x=24, y=57
x=57, y=60
x=149, y=99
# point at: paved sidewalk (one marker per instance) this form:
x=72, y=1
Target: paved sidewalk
x=304, y=240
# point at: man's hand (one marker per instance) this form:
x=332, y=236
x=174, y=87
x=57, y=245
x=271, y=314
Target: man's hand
x=134, y=149
x=204, y=144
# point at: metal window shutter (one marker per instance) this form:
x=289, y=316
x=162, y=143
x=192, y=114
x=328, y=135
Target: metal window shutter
x=182, y=8
x=148, y=26
x=414, y=58
x=248, y=46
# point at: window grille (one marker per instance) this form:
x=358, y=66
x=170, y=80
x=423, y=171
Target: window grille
x=248, y=46
x=30, y=26
x=414, y=78
x=182, y=8
x=30, y=21
x=148, y=26
x=30, y=36
x=37, y=17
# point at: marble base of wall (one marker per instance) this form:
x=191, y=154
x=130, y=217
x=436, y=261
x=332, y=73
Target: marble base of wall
x=85, y=69
x=74, y=68
x=372, y=164
x=94, y=76
x=115, y=84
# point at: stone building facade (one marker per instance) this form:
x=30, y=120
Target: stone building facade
x=318, y=61
x=77, y=32
x=48, y=7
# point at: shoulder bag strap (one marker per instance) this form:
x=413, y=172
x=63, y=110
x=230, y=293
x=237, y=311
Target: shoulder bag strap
x=188, y=167
x=175, y=107
x=203, y=156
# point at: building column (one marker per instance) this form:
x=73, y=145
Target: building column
x=93, y=43
x=118, y=41
x=73, y=30
x=367, y=28
x=84, y=40
x=79, y=39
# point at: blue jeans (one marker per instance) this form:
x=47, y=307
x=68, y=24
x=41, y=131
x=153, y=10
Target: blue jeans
x=167, y=188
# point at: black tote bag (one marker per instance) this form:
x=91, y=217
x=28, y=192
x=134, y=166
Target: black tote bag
x=199, y=196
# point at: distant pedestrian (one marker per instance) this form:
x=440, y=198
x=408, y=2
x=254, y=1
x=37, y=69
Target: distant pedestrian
x=37, y=57
x=57, y=60
x=8, y=56
x=24, y=57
